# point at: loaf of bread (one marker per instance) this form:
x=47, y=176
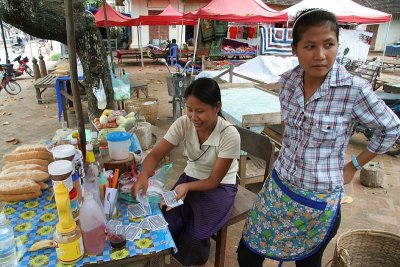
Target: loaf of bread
x=26, y=167
x=43, y=186
x=40, y=162
x=18, y=187
x=28, y=155
x=27, y=148
x=20, y=197
x=35, y=175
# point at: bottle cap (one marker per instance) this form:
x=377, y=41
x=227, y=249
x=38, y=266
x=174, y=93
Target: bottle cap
x=63, y=151
x=60, y=167
x=74, y=141
x=89, y=147
x=73, y=193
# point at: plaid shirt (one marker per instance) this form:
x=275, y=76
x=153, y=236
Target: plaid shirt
x=318, y=131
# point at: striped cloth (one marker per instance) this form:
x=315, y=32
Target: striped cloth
x=276, y=41
x=317, y=131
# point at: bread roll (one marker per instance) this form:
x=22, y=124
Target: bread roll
x=20, y=197
x=33, y=147
x=40, y=162
x=18, y=187
x=43, y=186
x=37, y=176
x=28, y=155
x=26, y=167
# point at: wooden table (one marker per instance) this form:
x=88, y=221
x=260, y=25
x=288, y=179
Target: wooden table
x=251, y=107
x=392, y=88
x=49, y=81
x=133, y=52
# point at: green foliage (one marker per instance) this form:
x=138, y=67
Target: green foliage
x=55, y=57
x=93, y=2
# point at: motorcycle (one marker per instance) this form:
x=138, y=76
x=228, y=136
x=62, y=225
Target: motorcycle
x=393, y=102
x=23, y=67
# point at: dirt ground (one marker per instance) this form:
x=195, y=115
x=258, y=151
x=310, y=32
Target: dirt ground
x=23, y=118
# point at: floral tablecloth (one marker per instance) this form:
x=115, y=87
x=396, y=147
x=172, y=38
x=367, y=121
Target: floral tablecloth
x=35, y=220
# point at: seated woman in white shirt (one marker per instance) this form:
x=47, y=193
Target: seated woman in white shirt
x=208, y=184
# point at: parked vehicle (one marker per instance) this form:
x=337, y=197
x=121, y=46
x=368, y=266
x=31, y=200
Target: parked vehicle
x=8, y=81
x=393, y=101
x=177, y=84
x=22, y=67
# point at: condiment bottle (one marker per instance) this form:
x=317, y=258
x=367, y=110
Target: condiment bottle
x=68, y=236
x=92, y=221
x=75, y=134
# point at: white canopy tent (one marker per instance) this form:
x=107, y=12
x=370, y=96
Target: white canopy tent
x=346, y=11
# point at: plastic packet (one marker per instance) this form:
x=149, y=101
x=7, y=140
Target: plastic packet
x=158, y=180
x=100, y=95
x=121, y=87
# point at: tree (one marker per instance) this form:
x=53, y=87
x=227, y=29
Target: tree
x=45, y=19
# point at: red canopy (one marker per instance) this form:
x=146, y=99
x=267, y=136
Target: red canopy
x=168, y=17
x=114, y=18
x=238, y=11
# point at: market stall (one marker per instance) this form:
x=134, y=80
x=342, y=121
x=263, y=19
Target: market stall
x=48, y=208
x=248, y=11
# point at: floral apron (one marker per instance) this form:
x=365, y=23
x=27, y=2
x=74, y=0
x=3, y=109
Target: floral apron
x=289, y=223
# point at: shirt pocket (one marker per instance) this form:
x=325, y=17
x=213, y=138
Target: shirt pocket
x=325, y=130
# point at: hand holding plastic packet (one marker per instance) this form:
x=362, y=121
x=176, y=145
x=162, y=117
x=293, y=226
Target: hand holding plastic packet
x=155, y=188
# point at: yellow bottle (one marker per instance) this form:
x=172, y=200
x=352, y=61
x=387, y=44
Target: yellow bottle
x=68, y=236
x=89, y=157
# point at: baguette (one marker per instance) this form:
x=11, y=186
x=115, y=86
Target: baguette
x=43, y=186
x=27, y=148
x=18, y=187
x=20, y=197
x=40, y=162
x=37, y=176
x=28, y=155
x=26, y=167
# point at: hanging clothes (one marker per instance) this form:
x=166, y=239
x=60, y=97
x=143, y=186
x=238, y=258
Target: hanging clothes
x=245, y=32
x=233, y=32
x=251, y=32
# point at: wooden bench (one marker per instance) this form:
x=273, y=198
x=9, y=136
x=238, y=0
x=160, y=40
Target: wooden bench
x=49, y=81
x=243, y=203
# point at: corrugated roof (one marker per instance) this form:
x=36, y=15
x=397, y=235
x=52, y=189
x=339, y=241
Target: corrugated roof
x=388, y=6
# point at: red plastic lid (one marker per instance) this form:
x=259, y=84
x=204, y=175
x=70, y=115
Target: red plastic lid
x=73, y=193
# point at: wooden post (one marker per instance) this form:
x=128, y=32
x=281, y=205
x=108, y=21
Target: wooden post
x=69, y=14
x=42, y=65
x=36, y=69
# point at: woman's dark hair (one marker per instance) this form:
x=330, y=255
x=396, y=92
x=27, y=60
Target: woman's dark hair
x=206, y=90
x=313, y=17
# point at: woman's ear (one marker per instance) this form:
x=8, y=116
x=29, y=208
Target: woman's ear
x=294, y=51
x=218, y=106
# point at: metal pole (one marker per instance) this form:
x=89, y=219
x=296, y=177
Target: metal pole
x=195, y=47
x=384, y=45
x=4, y=41
x=108, y=35
x=139, y=30
x=69, y=14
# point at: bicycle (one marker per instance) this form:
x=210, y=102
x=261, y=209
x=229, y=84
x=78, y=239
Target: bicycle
x=177, y=84
x=8, y=81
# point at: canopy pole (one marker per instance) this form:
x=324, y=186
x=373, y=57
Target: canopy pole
x=108, y=35
x=195, y=47
x=384, y=46
x=140, y=42
x=69, y=14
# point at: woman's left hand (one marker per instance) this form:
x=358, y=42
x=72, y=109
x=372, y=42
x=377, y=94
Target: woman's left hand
x=348, y=172
x=181, y=192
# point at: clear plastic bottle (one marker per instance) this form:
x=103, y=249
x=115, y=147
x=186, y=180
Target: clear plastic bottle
x=93, y=226
x=8, y=254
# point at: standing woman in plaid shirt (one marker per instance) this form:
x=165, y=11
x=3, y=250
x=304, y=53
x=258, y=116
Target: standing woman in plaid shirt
x=298, y=209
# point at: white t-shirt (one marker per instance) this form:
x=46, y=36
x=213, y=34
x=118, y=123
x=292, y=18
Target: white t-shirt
x=224, y=142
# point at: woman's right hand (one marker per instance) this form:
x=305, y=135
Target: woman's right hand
x=141, y=183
